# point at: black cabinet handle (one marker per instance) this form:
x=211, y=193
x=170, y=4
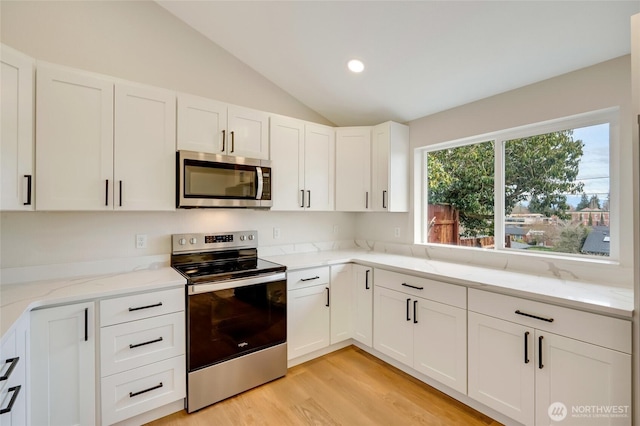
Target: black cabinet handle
x=145, y=307
x=132, y=394
x=384, y=199
x=415, y=316
x=137, y=345
x=310, y=279
x=13, y=362
x=86, y=324
x=106, y=192
x=29, y=177
x=16, y=391
x=224, y=137
x=533, y=316
x=526, y=347
x=366, y=279
x=302, y=202
x=120, y=191
x=412, y=286
x=328, y=296
x=366, y=200
x=308, y=198
x=233, y=141
x=540, y=365
x=408, y=302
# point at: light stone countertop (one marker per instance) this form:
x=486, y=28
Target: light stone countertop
x=601, y=299
x=18, y=299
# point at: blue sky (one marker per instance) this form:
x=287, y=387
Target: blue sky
x=594, y=166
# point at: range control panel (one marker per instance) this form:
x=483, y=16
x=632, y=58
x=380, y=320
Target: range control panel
x=185, y=243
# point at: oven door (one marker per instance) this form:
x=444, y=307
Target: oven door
x=211, y=180
x=230, y=319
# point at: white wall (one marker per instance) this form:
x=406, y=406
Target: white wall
x=601, y=86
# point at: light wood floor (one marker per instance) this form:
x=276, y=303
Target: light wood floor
x=346, y=387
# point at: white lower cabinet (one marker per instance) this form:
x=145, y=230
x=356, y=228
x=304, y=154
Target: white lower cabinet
x=142, y=347
x=13, y=376
x=341, y=303
x=63, y=385
x=362, y=304
x=542, y=364
x=422, y=323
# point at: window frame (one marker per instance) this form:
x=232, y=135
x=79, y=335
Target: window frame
x=499, y=138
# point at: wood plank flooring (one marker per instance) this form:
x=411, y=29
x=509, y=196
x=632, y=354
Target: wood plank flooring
x=346, y=387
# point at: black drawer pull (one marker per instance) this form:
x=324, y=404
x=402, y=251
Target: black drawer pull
x=526, y=347
x=16, y=391
x=29, y=185
x=145, y=307
x=540, y=365
x=137, y=345
x=415, y=313
x=328, y=297
x=13, y=362
x=310, y=279
x=366, y=279
x=86, y=324
x=534, y=316
x=132, y=394
x=412, y=286
x=408, y=302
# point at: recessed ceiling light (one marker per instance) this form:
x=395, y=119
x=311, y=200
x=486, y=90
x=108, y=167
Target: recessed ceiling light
x=355, y=65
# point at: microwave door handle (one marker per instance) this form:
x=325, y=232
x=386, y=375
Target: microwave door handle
x=260, y=183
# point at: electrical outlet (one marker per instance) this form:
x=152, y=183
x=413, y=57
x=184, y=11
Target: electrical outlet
x=396, y=232
x=141, y=241
x=276, y=233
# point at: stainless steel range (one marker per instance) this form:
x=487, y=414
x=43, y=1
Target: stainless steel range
x=236, y=315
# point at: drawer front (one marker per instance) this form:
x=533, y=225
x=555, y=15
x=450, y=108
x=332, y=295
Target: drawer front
x=437, y=291
x=598, y=329
x=130, y=393
x=134, y=344
x=308, y=277
x=140, y=306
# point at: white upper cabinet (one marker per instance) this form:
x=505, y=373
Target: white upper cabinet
x=74, y=140
x=303, y=163
x=206, y=125
x=145, y=148
x=353, y=169
x=16, y=145
x=390, y=167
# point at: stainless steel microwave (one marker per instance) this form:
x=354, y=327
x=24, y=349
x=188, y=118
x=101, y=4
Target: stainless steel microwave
x=212, y=180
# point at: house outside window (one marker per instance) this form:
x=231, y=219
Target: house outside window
x=544, y=188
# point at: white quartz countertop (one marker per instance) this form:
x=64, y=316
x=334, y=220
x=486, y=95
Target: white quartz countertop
x=602, y=299
x=16, y=299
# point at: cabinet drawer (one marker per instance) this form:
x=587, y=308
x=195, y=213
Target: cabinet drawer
x=140, y=306
x=130, y=393
x=134, y=344
x=598, y=329
x=308, y=277
x=437, y=291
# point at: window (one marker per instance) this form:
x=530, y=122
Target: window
x=541, y=188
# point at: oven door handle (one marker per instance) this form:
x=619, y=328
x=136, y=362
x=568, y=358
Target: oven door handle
x=260, y=183
x=242, y=282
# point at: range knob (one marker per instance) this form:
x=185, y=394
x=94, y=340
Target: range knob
x=193, y=240
x=251, y=236
x=242, y=237
x=182, y=241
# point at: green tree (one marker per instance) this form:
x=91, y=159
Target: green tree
x=594, y=202
x=572, y=239
x=584, y=202
x=539, y=170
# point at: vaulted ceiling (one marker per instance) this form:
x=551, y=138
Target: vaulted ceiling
x=420, y=57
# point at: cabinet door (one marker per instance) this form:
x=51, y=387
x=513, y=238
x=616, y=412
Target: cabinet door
x=13, y=387
x=390, y=167
x=393, y=324
x=63, y=365
x=440, y=343
x=287, y=163
x=74, y=141
x=202, y=124
x=580, y=376
x=248, y=133
x=307, y=320
x=341, y=303
x=363, y=304
x=16, y=140
x=145, y=148
x=319, y=167
x=500, y=370
x=353, y=169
